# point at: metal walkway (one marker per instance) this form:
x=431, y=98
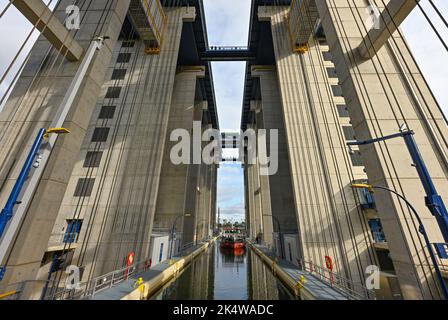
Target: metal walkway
x=228, y=53
x=319, y=286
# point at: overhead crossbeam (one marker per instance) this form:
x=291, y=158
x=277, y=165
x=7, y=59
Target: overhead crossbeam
x=391, y=18
x=228, y=54
x=38, y=13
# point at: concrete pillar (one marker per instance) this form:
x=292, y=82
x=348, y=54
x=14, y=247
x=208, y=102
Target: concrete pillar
x=264, y=193
x=171, y=201
x=382, y=94
x=280, y=185
x=213, y=186
x=191, y=197
x=328, y=217
x=118, y=215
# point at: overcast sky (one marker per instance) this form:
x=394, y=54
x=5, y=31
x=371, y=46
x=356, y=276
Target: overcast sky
x=228, y=24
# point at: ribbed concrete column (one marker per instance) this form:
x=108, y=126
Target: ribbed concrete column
x=118, y=215
x=31, y=106
x=171, y=201
x=208, y=213
x=382, y=94
x=249, y=200
x=250, y=170
x=202, y=208
x=265, y=193
x=192, y=196
x=246, y=201
x=280, y=184
x=254, y=191
x=213, y=199
x=328, y=217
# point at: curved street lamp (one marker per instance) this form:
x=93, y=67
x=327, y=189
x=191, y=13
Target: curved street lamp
x=173, y=229
x=421, y=229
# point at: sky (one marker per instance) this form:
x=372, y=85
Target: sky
x=228, y=24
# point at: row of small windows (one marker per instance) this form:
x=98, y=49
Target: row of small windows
x=84, y=186
x=113, y=92
x=119, y=74
x=124, y=57
x=107, y=112
x=93, y=159
x=100, y=134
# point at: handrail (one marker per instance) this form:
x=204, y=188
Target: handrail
x=228, y=48
x=100, y=283
x=103, y=282
x=336, y=281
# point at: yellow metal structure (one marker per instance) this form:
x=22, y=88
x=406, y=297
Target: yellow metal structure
x=56, y=131
x=363, y=186
x=154, y=50
x=8, y=294
x=301, y=49
x=158, y=33
x=296, y=29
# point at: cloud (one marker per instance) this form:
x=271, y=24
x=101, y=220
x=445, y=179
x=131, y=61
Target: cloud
x=231, y=191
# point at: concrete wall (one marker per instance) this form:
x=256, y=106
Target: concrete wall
x=382, y=93
x=171, y=201
x=31, y=106
x=118, y=215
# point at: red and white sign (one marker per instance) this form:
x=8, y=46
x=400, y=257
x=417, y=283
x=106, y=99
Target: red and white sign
x=130, y=259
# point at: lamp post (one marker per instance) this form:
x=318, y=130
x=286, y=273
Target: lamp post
x=280, y=235
x=421, y=229
x=173, y=228
x=433, y=200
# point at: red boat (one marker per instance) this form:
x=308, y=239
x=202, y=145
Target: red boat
x=233, y=238
x=232, y=243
